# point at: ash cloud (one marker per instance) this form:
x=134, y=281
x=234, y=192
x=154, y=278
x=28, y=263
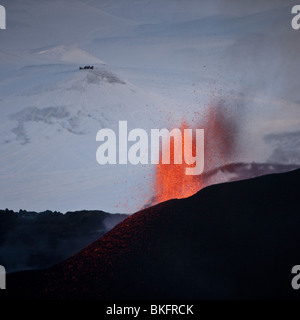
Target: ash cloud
x=222, y=124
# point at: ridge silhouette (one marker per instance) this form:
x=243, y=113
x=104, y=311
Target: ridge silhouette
x=236, y=240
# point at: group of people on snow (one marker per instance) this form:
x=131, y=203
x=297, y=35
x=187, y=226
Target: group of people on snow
x=86, y=68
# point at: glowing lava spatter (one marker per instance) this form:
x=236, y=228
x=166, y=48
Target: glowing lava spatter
x=171, y=180
x=219, y=142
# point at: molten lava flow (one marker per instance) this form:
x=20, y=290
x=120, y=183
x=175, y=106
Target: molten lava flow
x=171, y=180
x=219, y=146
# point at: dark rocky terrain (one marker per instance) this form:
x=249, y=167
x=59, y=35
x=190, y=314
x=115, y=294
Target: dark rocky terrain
x=236, y=240
x=31, y=240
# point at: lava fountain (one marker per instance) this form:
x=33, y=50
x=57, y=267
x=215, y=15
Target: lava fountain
x=171, y=180
x=219, y=142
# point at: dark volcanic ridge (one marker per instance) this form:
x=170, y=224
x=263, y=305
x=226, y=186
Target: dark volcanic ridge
x=235, y=172
x=235, y=240
x=31, y=240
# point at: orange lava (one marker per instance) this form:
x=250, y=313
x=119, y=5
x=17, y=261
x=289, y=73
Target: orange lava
x=219, y=145
x=171, y=180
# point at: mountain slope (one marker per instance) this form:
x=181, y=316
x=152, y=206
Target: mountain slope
x=49, y=117
x=31, y=240
x=233, y=240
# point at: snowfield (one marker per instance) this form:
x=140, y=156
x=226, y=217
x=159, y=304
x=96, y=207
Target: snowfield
x=48, y=138
x=156, y=63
